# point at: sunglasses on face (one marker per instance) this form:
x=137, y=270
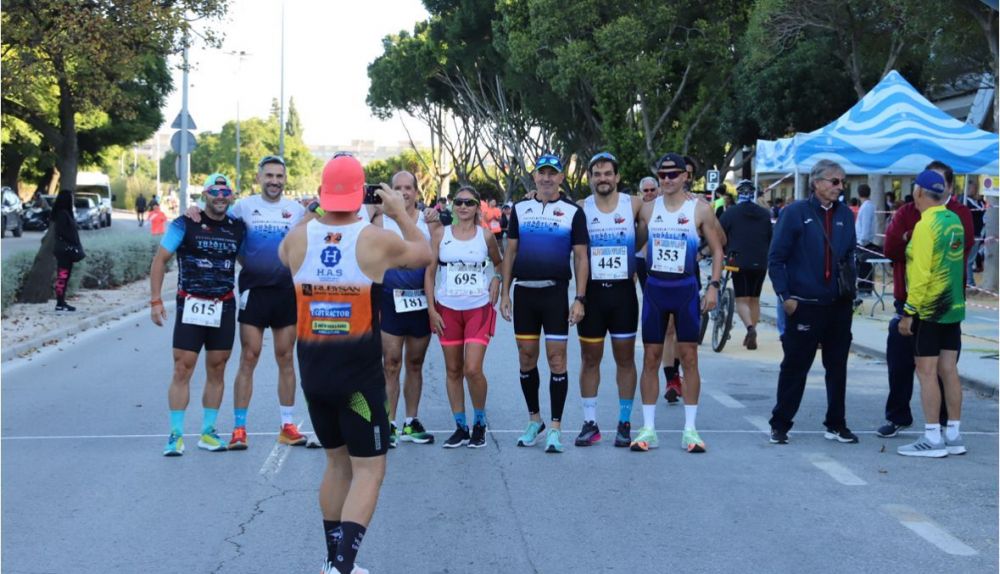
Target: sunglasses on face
x=220, y=191
x=465, y=202
x=670, y=174
x=834, y=181
x=649, y=190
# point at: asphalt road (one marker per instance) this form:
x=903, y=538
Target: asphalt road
x=31, y=240
x=85, y=489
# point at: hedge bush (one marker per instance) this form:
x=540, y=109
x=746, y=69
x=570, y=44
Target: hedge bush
x=113, y=260
x=127, y=189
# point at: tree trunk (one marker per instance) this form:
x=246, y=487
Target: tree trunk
x=12, y=170
x=992, y=249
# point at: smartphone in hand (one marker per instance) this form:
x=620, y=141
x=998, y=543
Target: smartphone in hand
x=372, y=198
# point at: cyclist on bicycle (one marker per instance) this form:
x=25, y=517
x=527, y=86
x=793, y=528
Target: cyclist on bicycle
x=748, y=227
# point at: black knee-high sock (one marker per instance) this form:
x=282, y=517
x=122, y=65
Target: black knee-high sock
x=558, y=388
x=333, y=534
x=529, y=386
x=677, y=365
x=347, y=548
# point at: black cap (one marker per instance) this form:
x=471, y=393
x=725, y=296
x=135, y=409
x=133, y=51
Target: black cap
x=672, y=161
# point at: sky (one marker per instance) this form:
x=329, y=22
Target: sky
x=328, y=46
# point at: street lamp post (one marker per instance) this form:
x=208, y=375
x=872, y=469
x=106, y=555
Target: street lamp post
x=281, y=114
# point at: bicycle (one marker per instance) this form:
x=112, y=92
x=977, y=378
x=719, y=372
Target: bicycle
x=722, y=315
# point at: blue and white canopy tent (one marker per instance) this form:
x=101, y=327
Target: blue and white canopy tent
x=893, y=130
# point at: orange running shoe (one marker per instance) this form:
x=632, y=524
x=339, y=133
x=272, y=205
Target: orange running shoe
x=290, y=435
x=239, y=440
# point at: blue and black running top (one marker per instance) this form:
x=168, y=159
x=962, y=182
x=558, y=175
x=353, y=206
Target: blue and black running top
x=206, y=254
x=267, y=222
x=546, y=234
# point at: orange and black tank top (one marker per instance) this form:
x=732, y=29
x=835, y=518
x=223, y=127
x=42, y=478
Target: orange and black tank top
x=339, y=344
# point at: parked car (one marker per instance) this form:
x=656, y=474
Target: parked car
x=103, y=210
x=11, y=213
x=38, y=213
x=88, y=214
x=99, y=183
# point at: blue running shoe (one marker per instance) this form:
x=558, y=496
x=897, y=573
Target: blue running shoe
x=175, y=445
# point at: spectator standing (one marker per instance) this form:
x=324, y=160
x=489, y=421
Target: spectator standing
x=933, y=312
x=140, y=209
x=748, y=233
x=813, y=242
x=68, y=249
x=974, y=202
x=157, y=221
x=864, y=229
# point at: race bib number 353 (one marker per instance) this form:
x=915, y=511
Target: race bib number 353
x=669, y=255
x=407, y=300
x=203, y=312
x=609, y=263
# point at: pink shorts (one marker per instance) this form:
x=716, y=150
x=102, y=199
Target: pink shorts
x=473, y=326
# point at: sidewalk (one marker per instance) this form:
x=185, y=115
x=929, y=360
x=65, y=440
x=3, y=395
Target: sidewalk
x=977, y=366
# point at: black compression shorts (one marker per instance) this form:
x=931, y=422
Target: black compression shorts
x=612, y=307
x=930, y=338
x=194, y=337
x=357, y=419
x=536, y=308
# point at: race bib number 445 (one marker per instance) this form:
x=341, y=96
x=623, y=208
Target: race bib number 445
x=203, y=312
x=464, y=279
x=669, y=255
x=609, y=263
x=407, y=300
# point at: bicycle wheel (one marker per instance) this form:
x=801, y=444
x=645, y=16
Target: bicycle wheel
x=723, y=321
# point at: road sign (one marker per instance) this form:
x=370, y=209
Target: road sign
x=175, y=141
x=176, y=125
x=711, y=179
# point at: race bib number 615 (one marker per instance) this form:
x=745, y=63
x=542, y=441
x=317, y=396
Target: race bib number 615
x=203, y=312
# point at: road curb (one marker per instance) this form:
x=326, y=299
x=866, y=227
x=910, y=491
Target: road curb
x=987, y=388
x=83, y=324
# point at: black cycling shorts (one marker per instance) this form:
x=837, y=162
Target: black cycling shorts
x=194, y=337
x=612, y=307
x=537, y=308
x=357, y=419
x=409, y=324
x=930, y=338
x=265, y=307
x=748, y=283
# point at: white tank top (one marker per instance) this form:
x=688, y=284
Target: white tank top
x=673, y=241
x=461, y=283
x=390, y=224
x=612, y=240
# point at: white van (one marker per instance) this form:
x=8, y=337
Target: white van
x=99, y=183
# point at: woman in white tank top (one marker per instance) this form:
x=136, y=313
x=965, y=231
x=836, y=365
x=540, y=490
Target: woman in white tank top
x=462, y=285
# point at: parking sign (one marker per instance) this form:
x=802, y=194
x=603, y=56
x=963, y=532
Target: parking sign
x=711, y=179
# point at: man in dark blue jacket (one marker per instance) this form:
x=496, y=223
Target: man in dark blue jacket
x=812, y=240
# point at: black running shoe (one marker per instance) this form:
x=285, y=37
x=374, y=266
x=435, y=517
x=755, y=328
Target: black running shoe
x=890, y=429
x=779, y=436
x=589, y=435
x=623, y=437
x=459, y=438
x=842, y=434
x=64, y=307
x=478, y=439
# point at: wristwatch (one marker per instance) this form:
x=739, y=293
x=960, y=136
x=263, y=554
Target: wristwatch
x=582, y=299
x=714, y=283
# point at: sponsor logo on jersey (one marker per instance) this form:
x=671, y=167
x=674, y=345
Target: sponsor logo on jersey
x=682, y=220
x=330, y=256
x=619, y=219
x=333, y=238
x=285, y=214
x=558, y=212
x=330, y=318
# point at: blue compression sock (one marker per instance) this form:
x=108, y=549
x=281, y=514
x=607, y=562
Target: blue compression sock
x=177, y=422
x=624, y=410
x=460, y=419
x=479, y=417
x=239, y=417
x=208, y=420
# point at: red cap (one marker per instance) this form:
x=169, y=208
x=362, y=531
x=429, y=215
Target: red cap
x=343, y=186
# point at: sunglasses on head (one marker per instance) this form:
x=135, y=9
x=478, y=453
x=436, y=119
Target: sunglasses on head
x=603, y=156
x=270, y=159
x=470, y=202
x=219, y=191
x=670, y=174
x=548, y=160
x=835, y=181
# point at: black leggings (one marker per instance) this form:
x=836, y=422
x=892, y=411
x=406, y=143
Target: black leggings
x=63, y=271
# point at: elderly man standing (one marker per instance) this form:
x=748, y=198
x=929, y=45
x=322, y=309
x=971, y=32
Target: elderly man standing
x=813, y=242
x=933, y=313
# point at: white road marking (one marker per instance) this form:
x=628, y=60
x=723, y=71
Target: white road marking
x=837, y=471
x=929, y=530
x=759, y=422
x=726, y=400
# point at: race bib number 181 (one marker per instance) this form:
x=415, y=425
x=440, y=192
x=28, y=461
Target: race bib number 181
x=407, y=300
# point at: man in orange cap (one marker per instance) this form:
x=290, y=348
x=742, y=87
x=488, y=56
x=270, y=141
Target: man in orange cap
x=338, y=263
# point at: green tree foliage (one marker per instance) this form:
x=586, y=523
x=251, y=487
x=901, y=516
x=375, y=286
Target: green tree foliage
x=382, y=170
x=90, y=73
x=293, y=126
